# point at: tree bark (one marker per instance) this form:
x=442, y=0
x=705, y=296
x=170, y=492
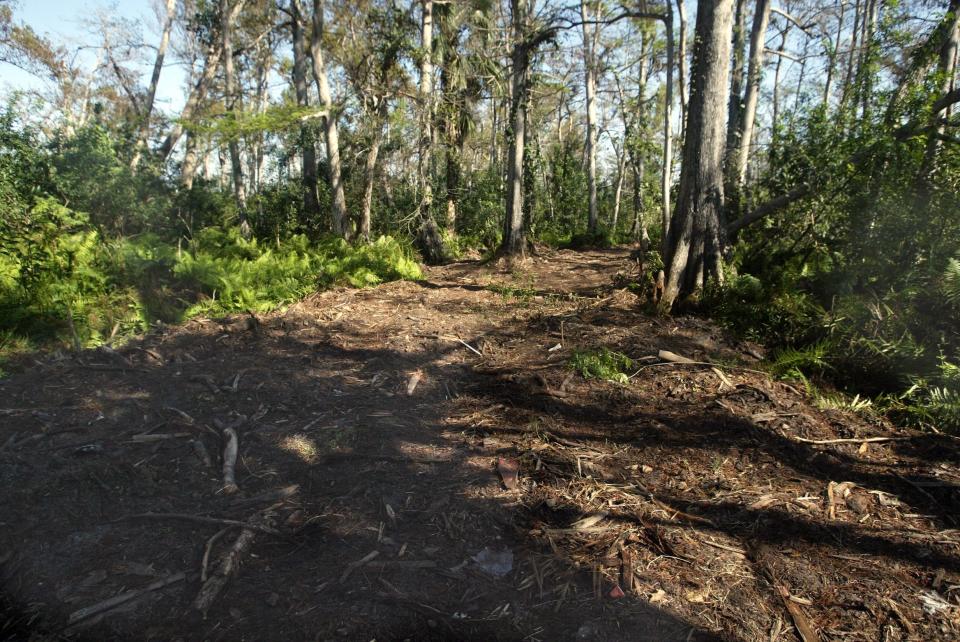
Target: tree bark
x=198, y=92
x=682, y=66
x=946, y=70
x=338, y=205
x=428, y=236
x=370, y=170
x=308, y=146
x=147, y=110
x=514, y=243
x=590, y=81
x=228, y=15
x=735, y=108
x=744, y=135
x=694, y=243
x=666, y=178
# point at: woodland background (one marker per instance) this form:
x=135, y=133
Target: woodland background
x=803, y=155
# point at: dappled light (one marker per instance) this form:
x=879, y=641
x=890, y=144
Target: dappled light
x=488, y=320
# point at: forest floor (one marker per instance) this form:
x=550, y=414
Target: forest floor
x=380, y=431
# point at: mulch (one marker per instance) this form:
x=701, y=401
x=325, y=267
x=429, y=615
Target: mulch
x=418, y=461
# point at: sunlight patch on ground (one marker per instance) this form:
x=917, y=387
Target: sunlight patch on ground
x=301, y=446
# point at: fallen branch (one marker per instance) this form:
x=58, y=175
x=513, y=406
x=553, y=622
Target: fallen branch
x=123, y=598
x=230, y=461
x=230, y=562
x=209, y=547
x=352, y=566
x=203, y=519
x=855, y=440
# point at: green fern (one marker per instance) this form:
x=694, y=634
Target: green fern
x=951, y=282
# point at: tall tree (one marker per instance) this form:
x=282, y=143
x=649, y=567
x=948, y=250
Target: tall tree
x=338, y=201
x=590, y=35
x=694, y=243
x=306, y=142
x=147, y=109
x=743, y=135
x=228, y=17
x=428, y=235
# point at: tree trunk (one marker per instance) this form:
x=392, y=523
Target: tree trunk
x=618, y=191
x=682, y=66
x=145, y=114
x=228, y=14
x=735, y=108
x=428, y=236
x=370, y=170
x=946, y=69
x=775, y=118
x=637, y=154
x=761, y=18
x=188, y=170
x=308, y=146
x=666, y=178
x=694, y=244
x=514, y=243
x=590, y=81
x=832, y=54
x=338, y=222
x=198, y=92
x=851, y=54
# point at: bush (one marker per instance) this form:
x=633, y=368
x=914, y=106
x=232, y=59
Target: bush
x=602, y=364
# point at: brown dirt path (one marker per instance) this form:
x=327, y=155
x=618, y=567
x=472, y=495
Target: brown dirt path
x=700, y=503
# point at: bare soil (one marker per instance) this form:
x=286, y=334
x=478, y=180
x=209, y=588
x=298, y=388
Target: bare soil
x=678, y=506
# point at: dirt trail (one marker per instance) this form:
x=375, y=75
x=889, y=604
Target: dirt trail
x=701, y=503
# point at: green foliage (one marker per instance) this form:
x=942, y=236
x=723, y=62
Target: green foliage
x=591, y=240
x=602, y=364
x=951, y=282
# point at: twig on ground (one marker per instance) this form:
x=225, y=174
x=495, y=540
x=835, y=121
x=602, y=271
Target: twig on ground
x=230, y=562
x=209, y=547
x=123, y=598
x=202, y=519
x=855, y=440
x=352, y=566
x=230, y=461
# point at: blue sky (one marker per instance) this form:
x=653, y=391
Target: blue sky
x=65, y=22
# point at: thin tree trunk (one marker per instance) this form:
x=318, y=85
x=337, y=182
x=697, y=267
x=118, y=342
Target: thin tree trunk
x=694, y=246
x=198, y=92
x=147, y=110
x=424, y=173
x=618, y=191
x=370, y=170
x=682, y=66
x=946, y=69
x=666, y=178
x=428, y=236
x=851, y=54
x=761, y=18
x=307, y=143
x=590, y=81
x=228, y=14
x=735, y=108
x=776, y=88
x=514, y=243
x=188, y=170
x=637, y=154
x=832, y=55
x=338, y=203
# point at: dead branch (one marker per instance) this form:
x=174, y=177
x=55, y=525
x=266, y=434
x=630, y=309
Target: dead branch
x=230, y=461
x=202, y=519
x=209, y=547
x=123, y=598
x=230, y=562
x=855, y=440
